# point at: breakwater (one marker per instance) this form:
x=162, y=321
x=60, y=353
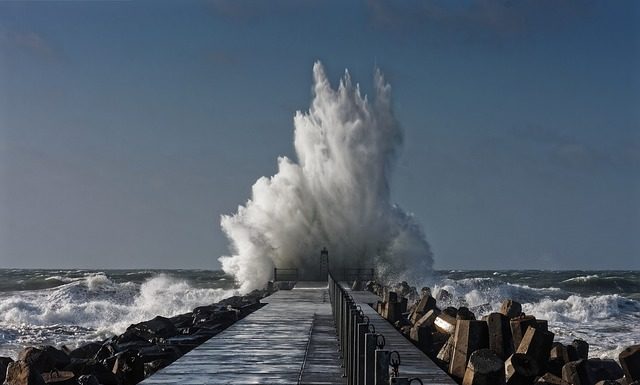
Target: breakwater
x=130, y=357
x=505, y=347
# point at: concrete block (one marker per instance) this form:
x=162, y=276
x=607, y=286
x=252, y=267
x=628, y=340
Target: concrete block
x=500, y=335
x=607, y=382
x=465, y=314
x=484, y=368
x=421, y=336
x=582, y=348
x=519, y=328
x=630, y=361
x=428, y=318
x=403, y=304
x=537, y=344
x=469, y=336
x=426, y=303
x=445, y=353
x=520, y=369
x=604, y=369
x=559, y=351
x=445, y=323
x=511, y=308
x=393, y=312
x=577, y=373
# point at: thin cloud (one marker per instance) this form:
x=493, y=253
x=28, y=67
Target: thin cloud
x=475, y=19
x=31, y=42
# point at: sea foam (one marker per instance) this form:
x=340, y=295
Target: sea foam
x=335, y=195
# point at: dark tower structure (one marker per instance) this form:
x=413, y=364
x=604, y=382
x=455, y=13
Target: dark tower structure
x=324, y=263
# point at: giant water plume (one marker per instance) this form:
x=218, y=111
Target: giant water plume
x=336, y=195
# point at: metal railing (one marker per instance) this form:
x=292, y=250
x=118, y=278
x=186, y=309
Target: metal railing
x=285, y=274
x=364, y=359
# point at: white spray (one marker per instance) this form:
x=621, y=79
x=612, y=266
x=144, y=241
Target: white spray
x=336, y=196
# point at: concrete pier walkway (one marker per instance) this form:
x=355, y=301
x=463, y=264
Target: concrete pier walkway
x=291, y=340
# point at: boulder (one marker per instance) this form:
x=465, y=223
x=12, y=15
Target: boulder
x=630, y=361
x=4, y=362
x=88, y=380
x=21, y=373
x=44, y=358
x=86, y=351
x=577, y=373
x=550, y=379
x=83, y=366
x=604, y=369
x=154, y=330
x=59, y=377
x=128, y=367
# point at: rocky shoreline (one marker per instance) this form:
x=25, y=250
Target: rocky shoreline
x=132, y=356
x=505, y=347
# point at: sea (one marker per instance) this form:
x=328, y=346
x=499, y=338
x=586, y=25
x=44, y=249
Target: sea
x=72, y=307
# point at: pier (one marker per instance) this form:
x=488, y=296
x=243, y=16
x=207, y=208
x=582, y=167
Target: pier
x=293, y=339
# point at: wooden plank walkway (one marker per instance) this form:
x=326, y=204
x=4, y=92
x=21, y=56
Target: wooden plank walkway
x=414, y=363
x=291, y=340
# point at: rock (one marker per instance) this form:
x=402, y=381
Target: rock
x=537, y=344
x=520, y=369
x=86, y=351
x=21, y=373
x=607, y=382
x=153, y=330
x=469, y=336
x=551, y=379
x=519, y=328
x=88, y=380
x=154, y=366
x=511, y=308
x=83, y=366
x=484, y=368
x=44, y=359
x=443, y=296
x=630, y=361
x=500, y=335
x=128, y=368
x=4, y=362
x=59, y=377
x=582, y=348
x=451, y=311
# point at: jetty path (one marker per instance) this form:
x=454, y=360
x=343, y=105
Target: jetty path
x=290, y=340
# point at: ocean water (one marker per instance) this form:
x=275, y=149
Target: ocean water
x=74, y=306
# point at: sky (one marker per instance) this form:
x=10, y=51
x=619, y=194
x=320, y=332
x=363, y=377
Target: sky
x=128, y=128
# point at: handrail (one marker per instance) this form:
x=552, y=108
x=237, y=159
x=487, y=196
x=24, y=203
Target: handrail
x=362, y=350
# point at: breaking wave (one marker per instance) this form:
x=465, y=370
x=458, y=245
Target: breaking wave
x=336, y=195
x=94, y=307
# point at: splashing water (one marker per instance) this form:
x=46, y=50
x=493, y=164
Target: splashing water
x=336, y=195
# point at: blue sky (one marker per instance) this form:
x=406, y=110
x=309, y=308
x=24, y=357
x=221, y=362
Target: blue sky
x=128, y=128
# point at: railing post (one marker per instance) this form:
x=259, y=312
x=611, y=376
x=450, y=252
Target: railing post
x=382, y=367
x=369, y=357
x=363, y=328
